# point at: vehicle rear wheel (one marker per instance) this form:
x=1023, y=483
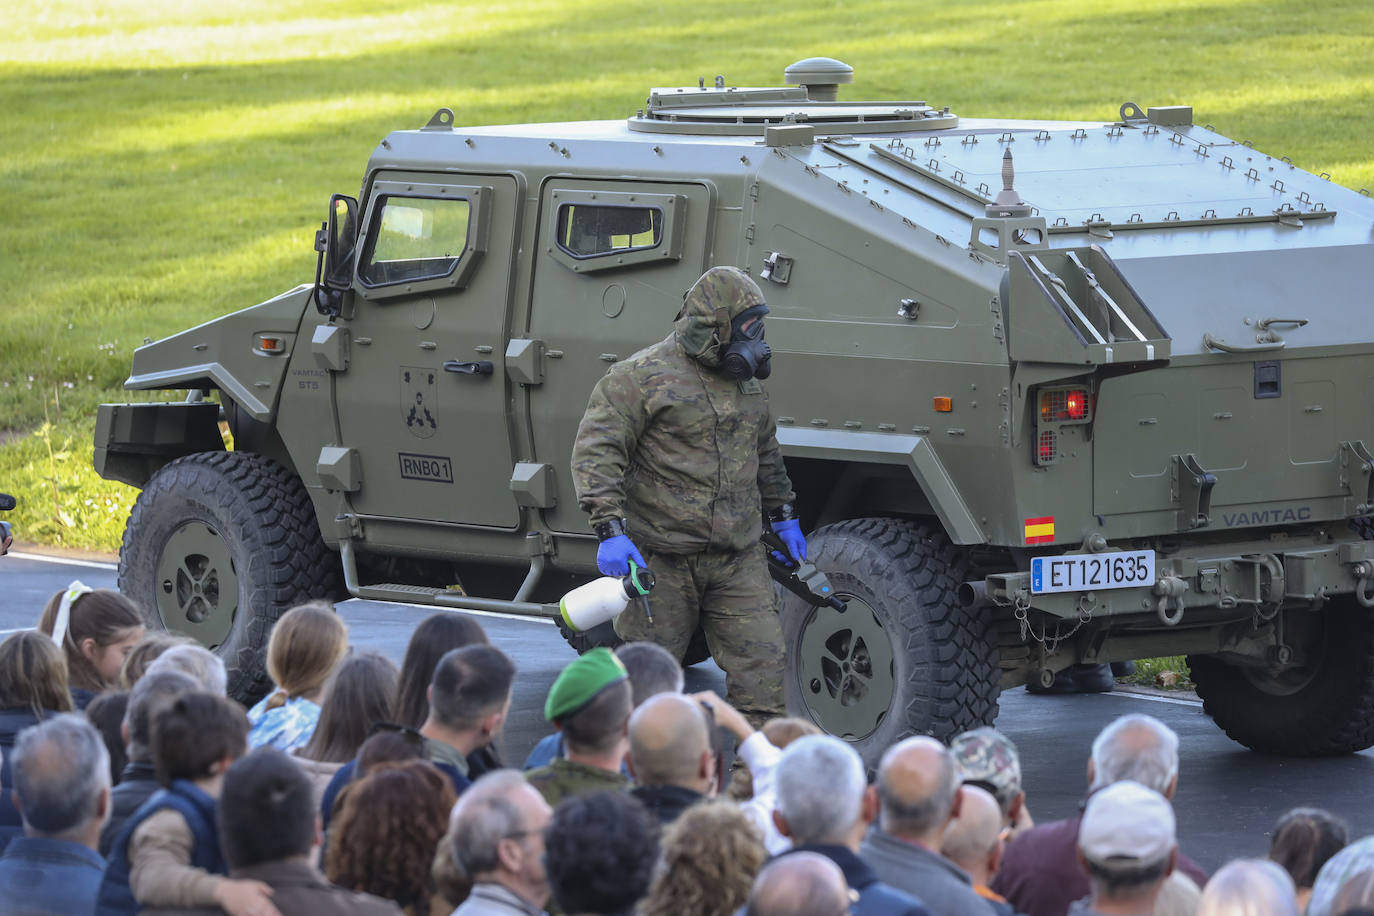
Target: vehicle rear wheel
x=903, y=657
x=1320, y=707
x=218, y=546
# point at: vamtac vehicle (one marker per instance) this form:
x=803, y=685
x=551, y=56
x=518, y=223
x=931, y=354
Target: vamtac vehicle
x=1049, y=392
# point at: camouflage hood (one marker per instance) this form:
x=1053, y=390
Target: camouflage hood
x=703, y=324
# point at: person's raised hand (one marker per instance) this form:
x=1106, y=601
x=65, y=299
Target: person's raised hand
x=614, y=555
x=727, y=716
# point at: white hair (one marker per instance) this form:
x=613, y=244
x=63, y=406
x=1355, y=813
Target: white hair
x=820, y=786
x=1249, y=887
x=484, y=816
x=200, y=663
x=1136, y=747
x=1343, y=866
x=61, y=767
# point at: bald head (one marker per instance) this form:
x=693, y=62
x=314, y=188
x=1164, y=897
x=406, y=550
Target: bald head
x=669, y=741
x=918, y=783
x=971, y=839
x=799, y=884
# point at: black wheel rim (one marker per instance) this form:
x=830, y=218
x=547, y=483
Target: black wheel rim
x=844, y=669
x=197, y=588
x=1287, y=680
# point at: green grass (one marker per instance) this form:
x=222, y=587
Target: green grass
x=165, y=163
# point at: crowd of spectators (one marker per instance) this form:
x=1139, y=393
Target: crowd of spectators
x=132, y=784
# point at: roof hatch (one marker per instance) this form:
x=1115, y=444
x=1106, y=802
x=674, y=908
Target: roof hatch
x=747, y=111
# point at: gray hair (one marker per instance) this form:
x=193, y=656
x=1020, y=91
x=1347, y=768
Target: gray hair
x=1249, y=887
x=61, y=768
x=820, y=785
x=483, y=817
x=149, y=694
x=1136, y=747
x=200, y=663
x=1340, y=868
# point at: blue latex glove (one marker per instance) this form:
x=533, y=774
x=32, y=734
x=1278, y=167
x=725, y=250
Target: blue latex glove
x=614, y=555
x=791, y=534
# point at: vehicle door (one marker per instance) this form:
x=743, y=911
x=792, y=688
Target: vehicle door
x=423, y=398
x=614, y=260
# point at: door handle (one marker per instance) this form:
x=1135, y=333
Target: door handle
x=473, y=367
x=1216, y=343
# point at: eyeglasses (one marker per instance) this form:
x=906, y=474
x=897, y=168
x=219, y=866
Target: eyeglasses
x=409, y=733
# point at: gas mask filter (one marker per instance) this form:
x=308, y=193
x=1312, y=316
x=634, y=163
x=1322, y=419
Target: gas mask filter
x=748, y=354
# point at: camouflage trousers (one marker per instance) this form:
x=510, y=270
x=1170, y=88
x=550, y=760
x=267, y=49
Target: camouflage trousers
x=730, y=596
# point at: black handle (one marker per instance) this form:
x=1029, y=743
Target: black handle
x=475, y=367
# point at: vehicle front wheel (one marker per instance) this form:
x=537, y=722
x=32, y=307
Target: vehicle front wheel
x=903, y=657
x=218, y=546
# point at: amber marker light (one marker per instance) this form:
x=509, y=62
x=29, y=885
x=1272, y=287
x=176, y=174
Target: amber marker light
x=943, y=405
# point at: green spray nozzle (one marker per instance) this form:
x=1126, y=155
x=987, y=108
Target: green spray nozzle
x=638, y=584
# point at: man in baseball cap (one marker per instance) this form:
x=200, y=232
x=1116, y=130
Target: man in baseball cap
x=987, y=759
x=590, y=704
x=1127, y=847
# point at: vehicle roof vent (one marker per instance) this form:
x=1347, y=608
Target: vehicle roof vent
x=819, y=76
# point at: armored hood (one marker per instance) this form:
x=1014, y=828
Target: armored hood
x=703, y=324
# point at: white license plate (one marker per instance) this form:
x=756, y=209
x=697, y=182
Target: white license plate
x=1079, y=572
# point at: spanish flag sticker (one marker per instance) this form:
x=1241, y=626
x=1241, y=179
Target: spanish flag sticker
x=1040, y=530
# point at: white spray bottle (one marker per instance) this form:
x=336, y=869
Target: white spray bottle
x=603, y=599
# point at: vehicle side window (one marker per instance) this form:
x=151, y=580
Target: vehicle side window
x=414, y=238
x=589, y=231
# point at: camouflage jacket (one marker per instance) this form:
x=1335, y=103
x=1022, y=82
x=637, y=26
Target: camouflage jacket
x=564, y=778
x=688, y=457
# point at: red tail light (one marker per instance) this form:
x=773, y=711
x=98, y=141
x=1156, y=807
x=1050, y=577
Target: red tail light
x=1065, y=405
x=1076, y=404
x=1046, y=447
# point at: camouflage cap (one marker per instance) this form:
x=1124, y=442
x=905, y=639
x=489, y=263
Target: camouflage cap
x=703, y=324
x=986, y=757
x=580, y=682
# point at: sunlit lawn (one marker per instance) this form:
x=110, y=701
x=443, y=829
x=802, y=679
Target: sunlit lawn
x=167, y=162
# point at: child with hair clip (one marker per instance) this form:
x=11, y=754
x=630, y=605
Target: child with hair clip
x=95, y=628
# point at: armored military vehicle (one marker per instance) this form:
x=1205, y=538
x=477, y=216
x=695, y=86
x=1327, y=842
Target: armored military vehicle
x=1050, y=393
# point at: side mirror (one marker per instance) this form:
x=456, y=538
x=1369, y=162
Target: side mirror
x=337, y=243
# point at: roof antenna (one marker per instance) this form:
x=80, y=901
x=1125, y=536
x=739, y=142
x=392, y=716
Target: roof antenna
x=1008, y=202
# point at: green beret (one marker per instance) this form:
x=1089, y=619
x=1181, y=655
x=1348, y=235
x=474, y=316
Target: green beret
x=581, y=681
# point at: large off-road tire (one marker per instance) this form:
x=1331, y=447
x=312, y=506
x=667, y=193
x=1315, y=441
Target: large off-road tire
x=1322, y=707
x=603, y=634
x=218, y=546
x=903, y=658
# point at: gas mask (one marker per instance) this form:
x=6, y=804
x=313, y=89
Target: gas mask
x=748, y=354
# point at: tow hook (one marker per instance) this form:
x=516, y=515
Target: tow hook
x=1364, y=572
x=1170, y=589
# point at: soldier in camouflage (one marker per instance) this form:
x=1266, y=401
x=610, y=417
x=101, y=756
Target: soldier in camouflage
x=677, y=455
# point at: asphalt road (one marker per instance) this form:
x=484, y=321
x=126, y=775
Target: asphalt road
x=1228, y=797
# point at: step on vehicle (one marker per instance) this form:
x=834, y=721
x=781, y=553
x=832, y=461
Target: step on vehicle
x=1051, y=393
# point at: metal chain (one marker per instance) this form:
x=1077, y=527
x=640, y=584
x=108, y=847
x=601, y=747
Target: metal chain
x=1020, y=610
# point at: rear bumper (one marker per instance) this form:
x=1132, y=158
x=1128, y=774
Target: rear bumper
x=1264, y=576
